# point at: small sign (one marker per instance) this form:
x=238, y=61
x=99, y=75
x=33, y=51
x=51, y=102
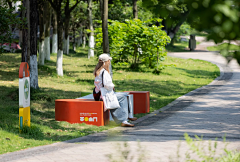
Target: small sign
x=24, y=95
x=88, y=117
x=24, y=92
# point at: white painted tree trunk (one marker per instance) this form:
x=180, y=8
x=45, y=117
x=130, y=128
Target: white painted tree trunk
x=74, y=46
x=78, y=42
x=91, y=47
x=66, y=46
x=33, y=71
x=54, y=43
x=59, y=63
x=41, y=55
x=84, y=41
x=80, y=39
x=47, y=48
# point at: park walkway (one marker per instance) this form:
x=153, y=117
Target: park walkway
x=211, y=111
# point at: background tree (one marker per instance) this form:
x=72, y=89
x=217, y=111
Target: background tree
x=33, y=44
x=91, y=35
x=54, y=36
x=105, y=27
x=47, y=24
x=41, y=54
x=223, y=24
x=79, y=20
x=135, y=9
x=57, y=6
x=25, y=36
x=67, y=12
x=173, y=13
x=7, y=18
x=105, y=30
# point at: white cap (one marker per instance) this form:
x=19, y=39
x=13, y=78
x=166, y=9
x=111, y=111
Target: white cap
x=104, y=57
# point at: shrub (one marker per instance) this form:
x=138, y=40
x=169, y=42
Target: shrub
x=136, y=42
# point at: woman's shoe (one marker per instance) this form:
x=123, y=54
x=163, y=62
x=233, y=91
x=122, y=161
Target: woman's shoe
x=132, y=119
x=127, y=125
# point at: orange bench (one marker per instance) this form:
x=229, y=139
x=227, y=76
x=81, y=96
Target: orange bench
x=92, y=112
x=141, y=101
x=81, y=111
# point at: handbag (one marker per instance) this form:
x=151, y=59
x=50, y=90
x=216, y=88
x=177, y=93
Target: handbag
x=97, y=95
x=109, y=99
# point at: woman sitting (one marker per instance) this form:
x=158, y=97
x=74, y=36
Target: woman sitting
x=120, y=115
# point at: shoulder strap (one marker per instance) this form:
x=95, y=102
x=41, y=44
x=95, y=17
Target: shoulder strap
x=102, y=78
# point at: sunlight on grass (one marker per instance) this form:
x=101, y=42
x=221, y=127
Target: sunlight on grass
x=78, y=77
x=223, y=46
x=179, y=47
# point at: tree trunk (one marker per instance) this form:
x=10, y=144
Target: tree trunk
x=74, y=41
x=84, y=40
x=101, y=8
x=105, y=27
x=33, y=44
x=173, y=32
x=66, y=45
x=41, y=36
x=135, y=10
x=47, y=22
x=80, y=38
x=20, y=37
x=66, y=34
x=54, y=38
x=135, y=16
x=91, y=37
x=60, y=48
x=135, y=55
x=105, y=31
x=56, y=5
x=25, y=15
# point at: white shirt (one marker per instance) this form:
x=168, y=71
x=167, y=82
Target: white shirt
x=107, y=81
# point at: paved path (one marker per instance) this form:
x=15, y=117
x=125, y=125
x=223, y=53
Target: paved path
x=211, y=111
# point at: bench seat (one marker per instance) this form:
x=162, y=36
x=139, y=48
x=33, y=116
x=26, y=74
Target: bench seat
x=141, y=101
x=86, y=110
x=81, y=111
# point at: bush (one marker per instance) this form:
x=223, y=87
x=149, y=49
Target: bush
x=135, y=42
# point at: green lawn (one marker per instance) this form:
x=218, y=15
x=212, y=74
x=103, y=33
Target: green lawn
x=172, y=83
x=223, y=46
x=179, y=47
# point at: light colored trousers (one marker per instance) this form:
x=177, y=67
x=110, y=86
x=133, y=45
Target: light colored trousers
x=121, y=114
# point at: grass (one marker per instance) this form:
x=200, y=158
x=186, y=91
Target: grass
x=197, y=33
x=78, y=78
x=179, y=47
x=223, y=46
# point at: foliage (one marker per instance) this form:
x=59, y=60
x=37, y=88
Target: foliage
x=7, y=19
x=185, y=29
x=224, y=21
x=79, y=18
x=150, y=42
x=223, y=24
x=227, y=50
x=122, y=9
x=173, y=13
x=124, y=153
x=209, y=155
x=202, y=153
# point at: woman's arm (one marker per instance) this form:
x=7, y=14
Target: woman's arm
x=107, y=81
